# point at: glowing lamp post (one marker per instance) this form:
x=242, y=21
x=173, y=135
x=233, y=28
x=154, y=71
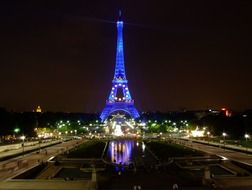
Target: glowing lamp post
x=22, y=138
x=39, y=136
x=16, y=130
x=208, y=133
x=247, y=136
x=224, y=136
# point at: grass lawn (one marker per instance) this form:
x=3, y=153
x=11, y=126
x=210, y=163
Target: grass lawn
x=89, y=149
x=164, y=150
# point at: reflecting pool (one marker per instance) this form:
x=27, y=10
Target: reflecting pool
x=127, y=151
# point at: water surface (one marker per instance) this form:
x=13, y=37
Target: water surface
x=128, y=151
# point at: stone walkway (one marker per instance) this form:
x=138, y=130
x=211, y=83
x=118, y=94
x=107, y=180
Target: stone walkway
x=12, y=167
x=229, y=154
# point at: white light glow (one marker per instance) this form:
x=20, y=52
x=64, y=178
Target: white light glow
x=118, y=130
x=197, y=133
x=246, y=136
x=143, y=146
x=131, y=126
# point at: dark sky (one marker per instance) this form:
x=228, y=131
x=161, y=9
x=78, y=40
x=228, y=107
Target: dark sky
x=178, y=54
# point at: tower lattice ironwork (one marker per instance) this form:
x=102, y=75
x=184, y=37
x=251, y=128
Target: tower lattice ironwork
x=119, y=98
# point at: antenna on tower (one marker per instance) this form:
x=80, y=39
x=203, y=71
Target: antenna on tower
x=120, y=15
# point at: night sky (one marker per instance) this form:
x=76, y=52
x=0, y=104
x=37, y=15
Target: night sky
x=178, y=54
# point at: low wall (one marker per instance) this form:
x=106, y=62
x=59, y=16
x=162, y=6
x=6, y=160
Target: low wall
x=16, y=146
x=47, y=184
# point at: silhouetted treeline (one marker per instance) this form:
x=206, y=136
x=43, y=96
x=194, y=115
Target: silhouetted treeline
x=217, y=123
x=235, y=126
x=26, y=122
x=173, y=116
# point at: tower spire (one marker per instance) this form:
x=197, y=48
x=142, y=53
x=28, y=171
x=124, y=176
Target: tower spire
x=120, y=15
x=119, y=67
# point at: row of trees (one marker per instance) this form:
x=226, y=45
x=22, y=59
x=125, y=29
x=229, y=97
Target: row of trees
x=26, y=122
x=216, y=123
x=236, y=126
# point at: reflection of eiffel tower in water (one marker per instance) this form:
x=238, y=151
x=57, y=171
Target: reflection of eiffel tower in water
x=121, y=151
x=119, y=98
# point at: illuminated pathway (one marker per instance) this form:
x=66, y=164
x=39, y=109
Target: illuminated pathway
x=19, y=150
x=230, y=154
x=16, y=165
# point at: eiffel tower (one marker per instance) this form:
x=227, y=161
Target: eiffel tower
x=119, y=98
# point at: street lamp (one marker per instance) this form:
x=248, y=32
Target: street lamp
x=224, y=136
x=16, y=130
x=23, y=138
x=247, y=136
x=39, y=136
x=208, y=133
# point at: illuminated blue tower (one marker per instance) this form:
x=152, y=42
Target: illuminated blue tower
x=119, y=98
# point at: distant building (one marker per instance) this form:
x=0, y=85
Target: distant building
x=226, y=112
x=38, y=110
